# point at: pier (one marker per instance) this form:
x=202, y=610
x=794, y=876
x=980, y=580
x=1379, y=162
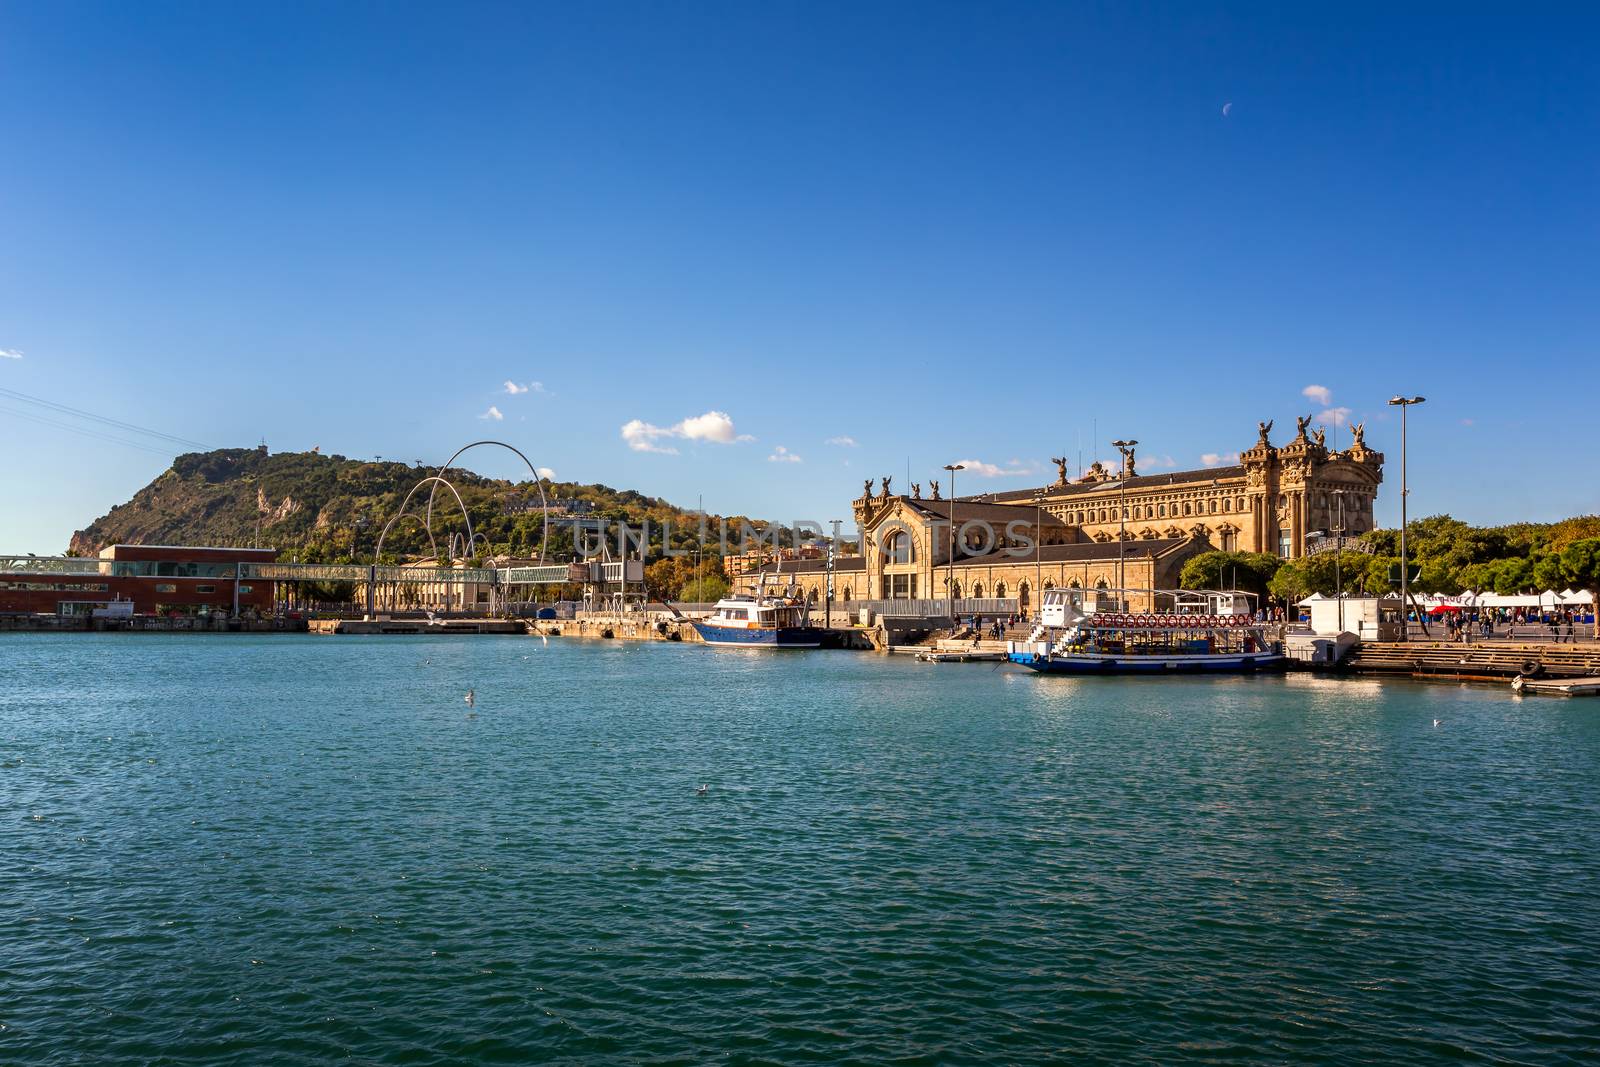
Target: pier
x=1488, y=661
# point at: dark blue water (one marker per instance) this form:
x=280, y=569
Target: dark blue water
x=237, y=850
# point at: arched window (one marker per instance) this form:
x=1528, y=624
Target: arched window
x=1239, y=506
x=1000, y=591
x=1049, y=583
x=1227, y=503
x=898, y=547
x=1188, y=508
x=1213, y=507
x=955, y=590
x=1163, y=511
x=1100, y=583
x=977, y=590
x=1022, y=596
x=847, y=594
x=1074, y=584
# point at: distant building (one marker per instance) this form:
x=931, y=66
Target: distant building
x=157, y=579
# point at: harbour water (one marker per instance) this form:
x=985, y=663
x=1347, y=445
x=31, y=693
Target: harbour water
x=294, y=850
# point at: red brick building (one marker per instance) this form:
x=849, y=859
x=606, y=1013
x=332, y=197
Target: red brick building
x=157, y=579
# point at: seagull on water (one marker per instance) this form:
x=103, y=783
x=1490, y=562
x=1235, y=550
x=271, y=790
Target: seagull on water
x=702, y=790
x=472, y=698
x=1436, y=722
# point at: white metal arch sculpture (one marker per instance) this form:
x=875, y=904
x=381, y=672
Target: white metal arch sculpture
x=544, y=503
x=433, y=546
x=434, y=480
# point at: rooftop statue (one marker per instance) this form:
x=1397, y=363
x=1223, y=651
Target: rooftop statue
x=866, y=488
x=935, y=484
x=1264, y=428
x=1061, y=469
x=1358, y=437
x=884, y=492
x=1300, y=425
x=1320, y=436
x=916, y=490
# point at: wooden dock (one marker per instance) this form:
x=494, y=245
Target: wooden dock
x=1558, y=687
x=955, y=651
x=1480, y=661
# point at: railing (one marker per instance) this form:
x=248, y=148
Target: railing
x=64, y=565
x=926, y=609
x=78, y=566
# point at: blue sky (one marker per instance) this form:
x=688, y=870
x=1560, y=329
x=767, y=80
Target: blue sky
x=991, y=233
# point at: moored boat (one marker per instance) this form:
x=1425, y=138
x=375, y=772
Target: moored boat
x=1091, y=631
x=760, y=622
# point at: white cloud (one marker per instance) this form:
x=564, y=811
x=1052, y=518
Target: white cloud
x=513, y=389
x=641, y=437
x=1332, y=417
x=1219, y=459
x=978, y=468
x=842, y=441
x=714, y=426
x=1157, y=462
x=493, y=414
x=10, y=353
x=783, y=455
x=543, y=472
x=1320, y=393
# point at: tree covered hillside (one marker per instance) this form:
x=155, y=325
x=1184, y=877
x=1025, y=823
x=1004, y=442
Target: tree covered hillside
x=329, y=508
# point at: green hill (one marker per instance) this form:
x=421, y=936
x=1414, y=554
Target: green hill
x=328, y=508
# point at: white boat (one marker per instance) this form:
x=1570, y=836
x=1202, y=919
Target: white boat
x=1092, y=631
x=760, y=622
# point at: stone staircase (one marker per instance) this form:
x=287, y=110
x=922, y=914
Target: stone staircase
x=1491, y=659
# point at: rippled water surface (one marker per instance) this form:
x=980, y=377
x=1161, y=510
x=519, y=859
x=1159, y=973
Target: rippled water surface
x=293, y=850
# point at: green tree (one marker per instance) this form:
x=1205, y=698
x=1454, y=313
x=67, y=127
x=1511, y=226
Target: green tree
x=708, y=589
x=1249, y=571
x=1290, y=584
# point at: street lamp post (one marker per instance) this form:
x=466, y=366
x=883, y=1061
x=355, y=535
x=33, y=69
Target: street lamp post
x=1338, y=556
x=950, y=578
x=1404, y=402
x=1126, y=448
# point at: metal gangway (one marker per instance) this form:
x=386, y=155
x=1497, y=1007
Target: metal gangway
x=500, y=581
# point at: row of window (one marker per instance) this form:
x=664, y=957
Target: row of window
x=57, y=587
x=1190, y=507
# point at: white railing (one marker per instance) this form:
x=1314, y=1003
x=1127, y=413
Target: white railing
x=929, y=609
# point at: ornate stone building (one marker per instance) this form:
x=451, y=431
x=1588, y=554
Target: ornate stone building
x=1103, y=529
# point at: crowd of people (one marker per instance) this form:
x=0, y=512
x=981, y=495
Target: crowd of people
x=1558, y=624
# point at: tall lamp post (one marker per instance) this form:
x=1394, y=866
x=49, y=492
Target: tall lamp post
x=950, y=579
x=1126, y=448
x=1403, y=403
x=1338, y=556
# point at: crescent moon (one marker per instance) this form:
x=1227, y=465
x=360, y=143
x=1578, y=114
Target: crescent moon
x=1226, y=108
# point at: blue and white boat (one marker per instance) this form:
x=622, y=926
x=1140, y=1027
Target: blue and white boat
x=1091, y=631
x=760, y=622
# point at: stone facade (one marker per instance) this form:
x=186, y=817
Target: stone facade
x=1102, y=530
